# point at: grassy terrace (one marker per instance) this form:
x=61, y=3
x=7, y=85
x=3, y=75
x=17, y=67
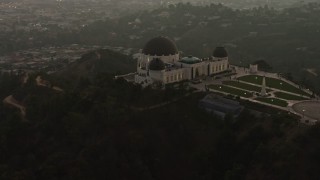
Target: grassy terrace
x=244, y=86
x=273, y=83
x=287, y=96
x=273, y=101
x=230, y=90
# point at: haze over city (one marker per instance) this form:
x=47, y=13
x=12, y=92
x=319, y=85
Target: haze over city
x=146, y=89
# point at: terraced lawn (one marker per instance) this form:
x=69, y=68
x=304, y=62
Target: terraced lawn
x=273, y=83
x=244, y=86
x=230, y=90
x=287, y=96
x=273, y=101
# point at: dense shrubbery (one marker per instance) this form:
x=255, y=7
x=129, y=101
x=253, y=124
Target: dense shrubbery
x=94, y=132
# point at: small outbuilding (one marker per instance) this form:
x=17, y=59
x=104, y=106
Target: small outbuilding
x=220, y=105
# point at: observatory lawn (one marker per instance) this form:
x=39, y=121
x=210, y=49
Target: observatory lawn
x=249, y=84
x=230, y=90
x=245, y=86
x=273, y=83
x=273, y=101
x=241, y=85
x=287, y=96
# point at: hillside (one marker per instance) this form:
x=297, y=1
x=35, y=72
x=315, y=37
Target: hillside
x=287, y=39
x=99, y=127
x=93, y=132
x=100, y=61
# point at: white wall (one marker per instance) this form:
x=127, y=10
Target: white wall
x=218, y=66
x=253, y=68
x=174, y=75
x=156, y=75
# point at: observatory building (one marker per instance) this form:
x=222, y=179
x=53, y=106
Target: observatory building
x=160, y=62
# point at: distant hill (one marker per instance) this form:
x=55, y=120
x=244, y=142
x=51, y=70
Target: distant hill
x=286, y=39
x=100, y=61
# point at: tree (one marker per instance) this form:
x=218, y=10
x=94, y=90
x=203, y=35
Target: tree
x=263, y=65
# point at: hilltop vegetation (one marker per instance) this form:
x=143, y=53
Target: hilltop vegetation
x=100, y=61
x=101, y=128
x=95, y=131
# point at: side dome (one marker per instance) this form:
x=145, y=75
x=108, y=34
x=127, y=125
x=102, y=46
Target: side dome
x=160, y=46
x=220, y=52
x=156, y=65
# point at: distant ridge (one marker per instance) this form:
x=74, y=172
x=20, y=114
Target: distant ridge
x=100, y=61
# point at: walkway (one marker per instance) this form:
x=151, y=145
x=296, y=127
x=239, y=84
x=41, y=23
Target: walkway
x=244, y=72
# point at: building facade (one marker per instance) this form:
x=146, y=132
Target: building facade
x=159, y=61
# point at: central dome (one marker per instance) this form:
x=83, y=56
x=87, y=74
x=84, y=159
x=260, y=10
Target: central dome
x=220, y=52
x=160, y=46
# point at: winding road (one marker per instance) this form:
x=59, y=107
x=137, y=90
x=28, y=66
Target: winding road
x=10, y=100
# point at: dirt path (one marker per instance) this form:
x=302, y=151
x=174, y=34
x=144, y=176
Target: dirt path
x=10, y=100
x=41, y=82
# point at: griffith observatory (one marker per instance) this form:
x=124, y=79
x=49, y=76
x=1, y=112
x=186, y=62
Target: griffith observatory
x=160, y=62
